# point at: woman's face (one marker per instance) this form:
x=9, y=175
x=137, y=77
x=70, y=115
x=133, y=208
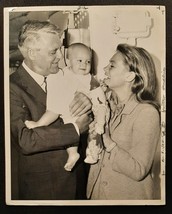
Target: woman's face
x=116, y=72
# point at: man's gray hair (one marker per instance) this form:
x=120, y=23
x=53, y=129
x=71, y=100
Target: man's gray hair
x=32, y=29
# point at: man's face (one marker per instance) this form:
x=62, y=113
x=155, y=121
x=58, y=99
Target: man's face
x=47, y=54
x=80, y=61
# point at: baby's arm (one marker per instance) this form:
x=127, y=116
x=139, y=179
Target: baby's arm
x=101, y=118
x=47, y=118
x=99, y=108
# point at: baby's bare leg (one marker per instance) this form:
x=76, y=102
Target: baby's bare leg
x=72, y=159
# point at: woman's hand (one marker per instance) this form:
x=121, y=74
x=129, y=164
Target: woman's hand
x=80, y=105
x=103, y=85
x=106, y=136
x=107, y=139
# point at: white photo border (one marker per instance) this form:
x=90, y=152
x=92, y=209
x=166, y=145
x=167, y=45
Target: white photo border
x=9, y=201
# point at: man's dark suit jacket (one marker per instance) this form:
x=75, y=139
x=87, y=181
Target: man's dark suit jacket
x=38, y=155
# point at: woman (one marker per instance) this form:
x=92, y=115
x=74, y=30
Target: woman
x=124, y=169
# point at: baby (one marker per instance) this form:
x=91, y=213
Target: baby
x=62, y=86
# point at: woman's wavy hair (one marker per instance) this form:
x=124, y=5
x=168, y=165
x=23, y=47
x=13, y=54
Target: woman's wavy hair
x=145, y=82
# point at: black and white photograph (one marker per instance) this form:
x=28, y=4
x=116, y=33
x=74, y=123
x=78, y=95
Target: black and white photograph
x=85, y=105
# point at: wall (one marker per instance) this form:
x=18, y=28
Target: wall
x=104, y=41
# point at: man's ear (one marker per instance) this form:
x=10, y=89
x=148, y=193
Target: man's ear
x=130, y=76
x=31, y=54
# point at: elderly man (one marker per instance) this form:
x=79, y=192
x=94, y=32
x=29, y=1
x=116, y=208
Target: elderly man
x=41, y=152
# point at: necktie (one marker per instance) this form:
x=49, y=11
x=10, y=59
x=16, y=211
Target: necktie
x=45, y=84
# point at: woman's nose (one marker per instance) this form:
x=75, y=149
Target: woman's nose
x=106, y=69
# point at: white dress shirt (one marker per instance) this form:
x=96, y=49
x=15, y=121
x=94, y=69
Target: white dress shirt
x=40, y=80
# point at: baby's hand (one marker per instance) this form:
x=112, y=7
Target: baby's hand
x=103, y=85
x=31, y=124
x=99, y=128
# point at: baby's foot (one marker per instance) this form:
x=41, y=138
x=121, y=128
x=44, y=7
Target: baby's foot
x=89, y=159
x=71, y=162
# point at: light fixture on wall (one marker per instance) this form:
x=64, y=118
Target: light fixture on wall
x=138, y=25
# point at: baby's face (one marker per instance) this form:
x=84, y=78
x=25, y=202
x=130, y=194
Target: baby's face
x=80, y=61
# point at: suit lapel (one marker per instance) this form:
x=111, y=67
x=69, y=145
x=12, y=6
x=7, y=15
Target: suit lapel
x=128, y=108
x=115, y=122
x=31, y=86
